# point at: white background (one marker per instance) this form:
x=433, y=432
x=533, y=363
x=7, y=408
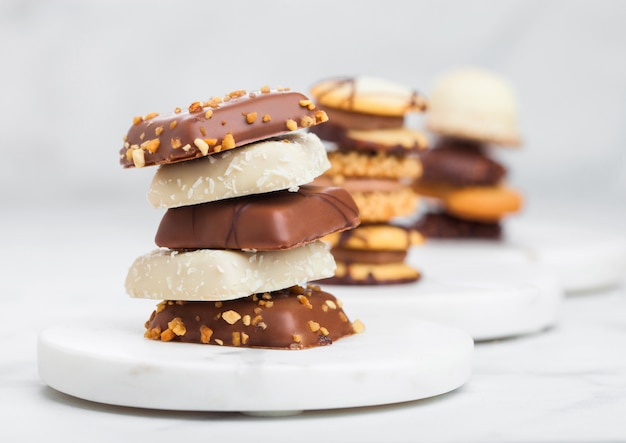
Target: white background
x=74, y=73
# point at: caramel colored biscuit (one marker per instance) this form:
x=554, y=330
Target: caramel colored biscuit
x=370, y=274
x=214, y=274
x=376, y=237
x=460, y=163
x=488, y=204
x=396, y=141
x=377, y=207
x=368, y=95
x=367, y=256
x=260, y=167
x=293, y=318
x=217, y=125
x=446, y=226
x=376, y=165
x=476, y=104
x=264, y=222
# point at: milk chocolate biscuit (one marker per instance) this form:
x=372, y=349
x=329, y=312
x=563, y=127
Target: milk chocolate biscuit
x=376, y=237
x=445, y=226
x=460, y=163
x=293, y=318
x=220, y=124
x=253, y=169
x=340, y=121
x=380, y=257
x=210, y=274
x=264, y=222
x=368, y=95
x=487, y=204
x=371, y=274
x=397, y=141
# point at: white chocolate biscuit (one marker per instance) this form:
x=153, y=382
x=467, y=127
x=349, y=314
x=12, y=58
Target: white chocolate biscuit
x=267, y=166
x=216, y=274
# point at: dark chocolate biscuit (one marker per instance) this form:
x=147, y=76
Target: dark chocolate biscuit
x=217, y=125
x=293, y=318
x=265, y=222
x=444, y=226
x=461, y=163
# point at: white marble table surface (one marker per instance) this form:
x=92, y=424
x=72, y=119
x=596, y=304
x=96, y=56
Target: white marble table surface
x=567, y=384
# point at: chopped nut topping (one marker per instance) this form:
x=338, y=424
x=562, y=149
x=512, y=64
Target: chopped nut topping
x=151, y=115
x=176, y=143
x=358, y=326
x=313, y=326
x=211, y=141
x=208, y=114
x=219, y=341
x=307, y=104
x=177, y=110
x=305, y=301
x=137, y=120
x=244, y=338
x=187, y=147
x=167, y=335
x=205, y=334
x=266, y=118
x=297, y=289
x=138, y=158
x=258, y=310
x=261, y=325
x=325, y=308
x=151, y=145
x=218, y=304
x=177, y=326
x=251, y=117
x=161, y=306
x=237, y=93
x=217, y=148
x=256, y=320
x=229, y=141
x=265, y=89
x=236, y=338
x=292, y=125
x=269, y=304
x=158, y=130
x=202, y=131
x=297, y=338
x=343, y=316
x=321, y=116
x=266, y=296
x=324, y=331
x=142, y=136
x=153, y=333
x=231, y=317
x=331, y=304
x=197, y=318
x=307, y=121
x=246, y=319
x=173, y=124
x=195, y=107
x=202, y=146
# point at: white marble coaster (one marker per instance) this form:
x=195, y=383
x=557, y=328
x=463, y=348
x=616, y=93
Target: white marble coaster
x=584, y=258
x=110, y=362
x=497, y=301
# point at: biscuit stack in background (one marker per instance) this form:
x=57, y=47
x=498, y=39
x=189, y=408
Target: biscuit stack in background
x=373, y=155
x=240, y=239
x=471, y=111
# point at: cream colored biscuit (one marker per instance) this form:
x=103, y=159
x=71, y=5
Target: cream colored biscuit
x=379, y=165
x=211, y=275
x=488, y=204
x=369, y=95
x=385, y=139
x=363, y=273
x=474, y=103
x=379, y=237
x=260, y=167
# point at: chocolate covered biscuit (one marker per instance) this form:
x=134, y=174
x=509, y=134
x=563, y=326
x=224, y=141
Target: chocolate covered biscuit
x=458, y=163
x=446, y=226
x=292, y=318
x=216, y=125
x=272, y=221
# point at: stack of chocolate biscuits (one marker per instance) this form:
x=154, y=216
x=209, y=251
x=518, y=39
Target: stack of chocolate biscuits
x=373, y=155
x=240, y=238
x=471, y=111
